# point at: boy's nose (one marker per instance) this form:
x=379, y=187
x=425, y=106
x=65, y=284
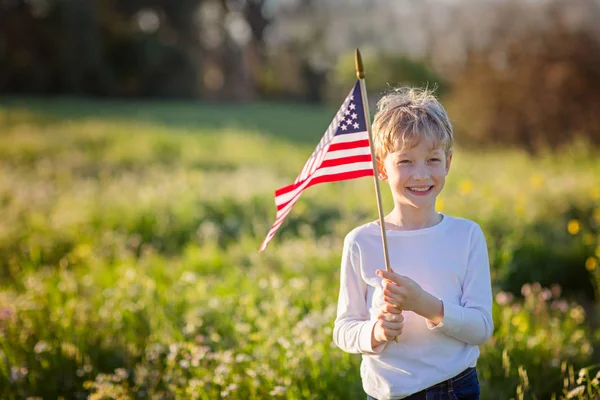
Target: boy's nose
x=421, y=174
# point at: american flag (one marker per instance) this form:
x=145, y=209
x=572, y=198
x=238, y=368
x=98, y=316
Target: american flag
x=343, y=153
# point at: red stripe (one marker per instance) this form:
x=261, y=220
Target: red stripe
x=313, y=164
x=288, y=188
x=321, y=179
x=349, y=145
x=342, y=176
x=326, y=163
x=346, y=160
x=281, y=217
x=274, y=229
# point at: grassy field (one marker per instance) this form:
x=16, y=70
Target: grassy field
x=129, y=265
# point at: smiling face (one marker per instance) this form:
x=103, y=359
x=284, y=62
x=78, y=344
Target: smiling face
x=416, y=175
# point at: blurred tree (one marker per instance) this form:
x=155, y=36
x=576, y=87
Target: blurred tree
x=28, y=44
x=386, y=71
x=213, y=48
x=536, y=86
x=83, y=69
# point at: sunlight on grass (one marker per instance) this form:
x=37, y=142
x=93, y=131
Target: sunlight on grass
x=129, y=264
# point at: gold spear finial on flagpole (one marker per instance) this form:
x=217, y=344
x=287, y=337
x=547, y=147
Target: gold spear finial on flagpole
x=360, y=73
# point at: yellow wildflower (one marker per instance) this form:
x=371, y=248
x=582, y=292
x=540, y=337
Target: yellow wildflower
x=465, y=186
x=591, y=263
x=574, y=227
x=536, y=180
x=519, y=209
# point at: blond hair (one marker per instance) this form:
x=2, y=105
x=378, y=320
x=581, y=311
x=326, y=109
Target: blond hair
x=407, y=115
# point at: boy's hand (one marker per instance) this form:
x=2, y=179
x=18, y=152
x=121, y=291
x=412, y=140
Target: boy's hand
x=390, y=323
x=404, y=293
x=401, y=291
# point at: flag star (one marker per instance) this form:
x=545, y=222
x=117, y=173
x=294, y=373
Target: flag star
x=352, y=106
x=349, y=121
x=355, y=125
x=351, y=97
x=344, y=127
x=347, y=112
x=354, y=116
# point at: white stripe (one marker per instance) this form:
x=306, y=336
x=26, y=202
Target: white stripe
x=280, y=219
x=309, y=166
x=308, y=171
x=274, y=229
x=296, y=195
x=328, y=137
x=360, y=151
x=350, y=137
x=314, y=162
x=283, y=198
x=289, y=206
x=278, y=223
x=316, y=159
x=283, y=213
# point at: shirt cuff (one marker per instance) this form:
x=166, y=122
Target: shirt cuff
x=451, y=321
x=364, y=338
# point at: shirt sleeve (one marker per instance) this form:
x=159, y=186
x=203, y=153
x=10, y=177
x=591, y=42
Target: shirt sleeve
x=471, y=321
x=353, y=328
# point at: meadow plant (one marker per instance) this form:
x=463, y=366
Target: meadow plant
x=129, y=270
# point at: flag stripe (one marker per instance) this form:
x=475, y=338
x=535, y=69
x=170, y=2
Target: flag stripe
x=336, y=174
x=285, y=208
x=349, y=145
x=330, y=156
x=361, y=151
x=325, y=140
x=285, y=193
x=335, y=162
x=314, y=164
x=342, y=153
x=274, y=227
x=350, y=137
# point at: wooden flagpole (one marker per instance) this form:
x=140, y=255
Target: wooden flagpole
x=360, y=73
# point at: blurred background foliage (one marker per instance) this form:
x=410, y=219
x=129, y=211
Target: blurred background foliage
x=512, y=72
x=129, y=265
x=140, y=144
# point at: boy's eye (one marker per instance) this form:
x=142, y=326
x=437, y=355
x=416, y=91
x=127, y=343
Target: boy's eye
x=434, y=159
x=404, y=162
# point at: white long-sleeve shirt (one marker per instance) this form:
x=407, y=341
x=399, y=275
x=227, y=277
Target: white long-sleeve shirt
x=448, y=260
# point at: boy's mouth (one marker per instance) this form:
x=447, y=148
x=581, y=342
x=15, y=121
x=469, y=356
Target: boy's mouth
x=421, y=190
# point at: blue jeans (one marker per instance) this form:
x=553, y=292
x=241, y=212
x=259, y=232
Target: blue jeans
x=464, y=386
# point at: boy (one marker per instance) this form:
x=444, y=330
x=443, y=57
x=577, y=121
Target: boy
x=438, y=299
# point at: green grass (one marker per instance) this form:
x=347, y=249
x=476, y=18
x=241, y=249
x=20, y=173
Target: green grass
x=299, y=123
x=129, y=265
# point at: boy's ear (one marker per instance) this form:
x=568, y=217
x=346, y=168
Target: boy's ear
x=448, y=162
x=381, y=170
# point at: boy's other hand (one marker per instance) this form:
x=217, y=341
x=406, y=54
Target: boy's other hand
x=389, y=325
x=404, y=293
x=401, y=291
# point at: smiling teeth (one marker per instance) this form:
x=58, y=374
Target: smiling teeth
x=420, y=189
